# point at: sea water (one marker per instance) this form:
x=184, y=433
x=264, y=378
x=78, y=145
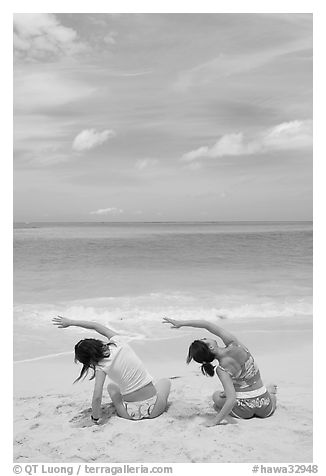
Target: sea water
x=130, y=275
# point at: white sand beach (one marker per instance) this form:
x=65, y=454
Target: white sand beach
x=163, y=167
x=52, y=416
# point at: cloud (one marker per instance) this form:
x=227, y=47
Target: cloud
x=145, y=163
x=289, y=135
x=292, y=135
x=90, y=138
x=107, y=211
x=40, y=35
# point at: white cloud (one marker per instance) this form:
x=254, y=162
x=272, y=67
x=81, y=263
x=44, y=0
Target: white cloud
x=289, y=135
x=40, y=35
x=195, y=154
x=90, y=138
x=145, y=163
x=292, y=135
x=107, y=211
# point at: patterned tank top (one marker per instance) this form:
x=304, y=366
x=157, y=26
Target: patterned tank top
x=249, y=373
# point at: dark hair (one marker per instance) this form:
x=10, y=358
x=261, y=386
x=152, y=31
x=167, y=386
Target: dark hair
x=89, y=352
x=200, y=352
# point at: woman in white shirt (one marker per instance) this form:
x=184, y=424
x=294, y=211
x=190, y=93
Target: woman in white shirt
x=133, y=392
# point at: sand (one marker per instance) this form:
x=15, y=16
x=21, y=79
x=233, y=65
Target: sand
x=52, y=416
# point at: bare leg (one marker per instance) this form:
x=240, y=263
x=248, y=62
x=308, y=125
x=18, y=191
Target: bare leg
x=163, y=388
x=117, y=401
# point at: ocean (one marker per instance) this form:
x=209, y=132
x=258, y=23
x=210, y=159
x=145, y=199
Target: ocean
x=130, y=275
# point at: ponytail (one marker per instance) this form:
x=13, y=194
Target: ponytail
x=200, y=352
x=207, y=369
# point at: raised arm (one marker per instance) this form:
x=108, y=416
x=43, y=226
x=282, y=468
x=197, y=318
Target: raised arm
x=63, y=322
x=226, y=336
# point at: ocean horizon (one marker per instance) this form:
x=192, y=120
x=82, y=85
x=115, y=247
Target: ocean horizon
x=129, y=275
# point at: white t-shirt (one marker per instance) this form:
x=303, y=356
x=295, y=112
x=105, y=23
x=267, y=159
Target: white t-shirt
x=124, y=367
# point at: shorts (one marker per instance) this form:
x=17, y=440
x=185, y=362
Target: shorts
x=140, y=410
x=260, y=406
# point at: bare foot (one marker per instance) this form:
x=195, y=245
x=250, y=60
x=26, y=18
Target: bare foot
x=272, y=389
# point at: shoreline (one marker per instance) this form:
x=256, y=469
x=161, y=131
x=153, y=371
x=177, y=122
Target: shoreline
x=233, y=324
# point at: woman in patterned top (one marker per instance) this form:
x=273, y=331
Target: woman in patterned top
x=245, y=395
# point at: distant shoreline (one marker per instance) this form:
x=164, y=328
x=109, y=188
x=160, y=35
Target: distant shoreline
x=17, y=223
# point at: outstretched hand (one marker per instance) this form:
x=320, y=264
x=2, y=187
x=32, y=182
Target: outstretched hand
x=61, y=322
x=175, y=324
x=214, y=422
x=227, y=420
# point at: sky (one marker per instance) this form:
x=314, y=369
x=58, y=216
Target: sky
x=162, y=117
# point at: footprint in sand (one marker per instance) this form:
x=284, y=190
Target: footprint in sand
x=63, y=407
x=33, y=427
x=31, y=415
